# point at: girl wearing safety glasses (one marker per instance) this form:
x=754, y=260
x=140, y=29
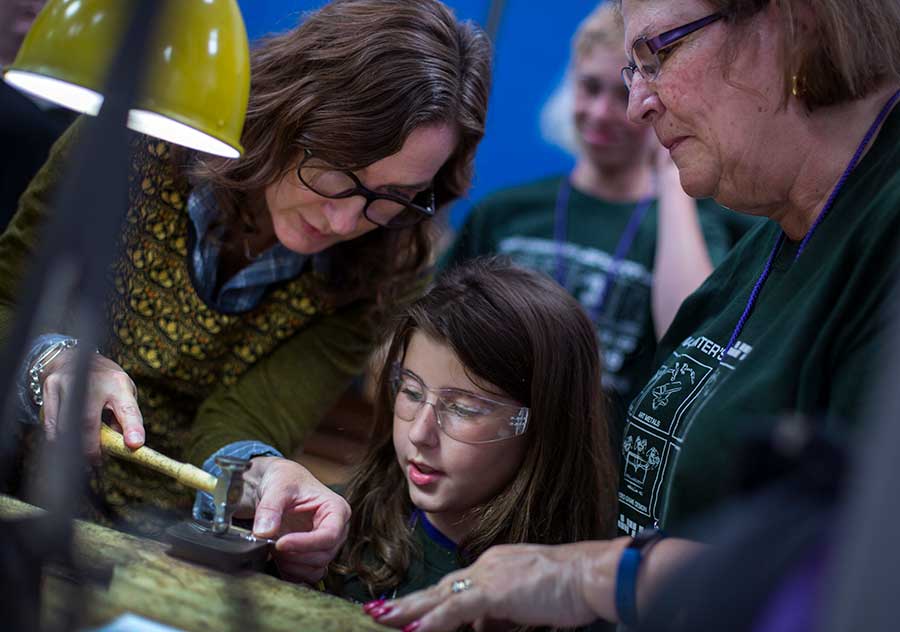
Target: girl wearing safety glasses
x=490, y=428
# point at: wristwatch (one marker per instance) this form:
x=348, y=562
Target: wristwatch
x=36, y=371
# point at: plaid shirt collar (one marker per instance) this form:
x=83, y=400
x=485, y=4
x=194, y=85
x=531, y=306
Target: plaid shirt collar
x=244, y=290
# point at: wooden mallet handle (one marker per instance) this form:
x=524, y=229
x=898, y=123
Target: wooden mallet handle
x=113, y=443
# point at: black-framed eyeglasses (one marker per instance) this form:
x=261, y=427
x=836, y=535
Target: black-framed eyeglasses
x=461, y=415
x=645, y=52
x=384, y=209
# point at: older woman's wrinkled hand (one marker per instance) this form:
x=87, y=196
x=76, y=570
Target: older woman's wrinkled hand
x=564, y=586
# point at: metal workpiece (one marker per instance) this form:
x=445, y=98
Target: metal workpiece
x=229, y=487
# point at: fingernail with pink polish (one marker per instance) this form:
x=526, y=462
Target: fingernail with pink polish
x=412, y=627
x=381, y=612
x=372, y=605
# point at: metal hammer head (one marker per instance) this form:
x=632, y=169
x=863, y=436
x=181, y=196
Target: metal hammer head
x=229, y=487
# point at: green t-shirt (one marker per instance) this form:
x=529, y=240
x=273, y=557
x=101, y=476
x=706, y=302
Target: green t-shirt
x=809, y=346
x=519, y=223
x=438, y=557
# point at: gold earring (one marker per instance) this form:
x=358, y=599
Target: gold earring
x=797, y=86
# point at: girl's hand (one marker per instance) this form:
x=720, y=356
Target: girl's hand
x=109, y=390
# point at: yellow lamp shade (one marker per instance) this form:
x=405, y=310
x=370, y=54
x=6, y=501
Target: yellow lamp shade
x=197, y=80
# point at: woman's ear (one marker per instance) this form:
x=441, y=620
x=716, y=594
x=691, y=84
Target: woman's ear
x=814, y=76
x=801, y=33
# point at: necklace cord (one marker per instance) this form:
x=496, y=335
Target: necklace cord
x=757, y=287
x=560, y=232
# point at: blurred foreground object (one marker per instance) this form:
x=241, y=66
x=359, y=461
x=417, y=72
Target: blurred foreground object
x=68, y=273
x=122, y=573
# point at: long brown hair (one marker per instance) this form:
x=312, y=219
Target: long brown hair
x=350, y=83
x=521, y=332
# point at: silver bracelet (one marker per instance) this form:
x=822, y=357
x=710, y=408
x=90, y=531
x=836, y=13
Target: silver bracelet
x=37, y=369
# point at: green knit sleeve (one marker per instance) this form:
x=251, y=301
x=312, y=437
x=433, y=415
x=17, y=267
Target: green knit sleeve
x=282, y=398
x=18, y=243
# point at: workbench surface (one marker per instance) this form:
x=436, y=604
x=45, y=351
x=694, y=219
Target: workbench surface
x=148, y=582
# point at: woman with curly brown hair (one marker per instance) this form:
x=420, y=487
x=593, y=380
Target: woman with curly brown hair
x=248, y=292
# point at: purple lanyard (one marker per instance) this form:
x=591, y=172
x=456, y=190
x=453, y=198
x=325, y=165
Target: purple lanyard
x=757, y=288
x=560, y=230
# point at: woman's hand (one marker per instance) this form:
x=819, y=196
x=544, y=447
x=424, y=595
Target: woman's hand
x=563, y=586
x=109, y=389
x=288, y=502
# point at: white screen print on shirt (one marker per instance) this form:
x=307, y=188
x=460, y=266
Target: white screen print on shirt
x=626, y=308
x=659, y=419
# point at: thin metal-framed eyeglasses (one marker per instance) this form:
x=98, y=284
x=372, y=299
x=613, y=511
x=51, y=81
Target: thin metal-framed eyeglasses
x=460, y=414
x=645, y=52
x=383, y=209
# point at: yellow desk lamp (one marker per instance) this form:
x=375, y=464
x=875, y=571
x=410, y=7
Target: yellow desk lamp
x=198, y=67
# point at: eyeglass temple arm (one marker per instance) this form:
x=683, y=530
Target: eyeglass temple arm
x=655, y=44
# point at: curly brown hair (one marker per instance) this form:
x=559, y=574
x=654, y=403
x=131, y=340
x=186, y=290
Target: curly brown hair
x=518, y=330
x=350, y=83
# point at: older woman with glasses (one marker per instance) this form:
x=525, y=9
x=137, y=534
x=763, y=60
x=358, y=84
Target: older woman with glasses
x=786, y=110
x=617, y=231
x=248, y=292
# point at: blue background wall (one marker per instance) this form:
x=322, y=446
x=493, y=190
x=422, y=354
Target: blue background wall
x=531, y=52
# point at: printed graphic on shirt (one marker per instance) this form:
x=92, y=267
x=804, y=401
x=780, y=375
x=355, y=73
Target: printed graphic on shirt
x=626, y=306
x=658, y=420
